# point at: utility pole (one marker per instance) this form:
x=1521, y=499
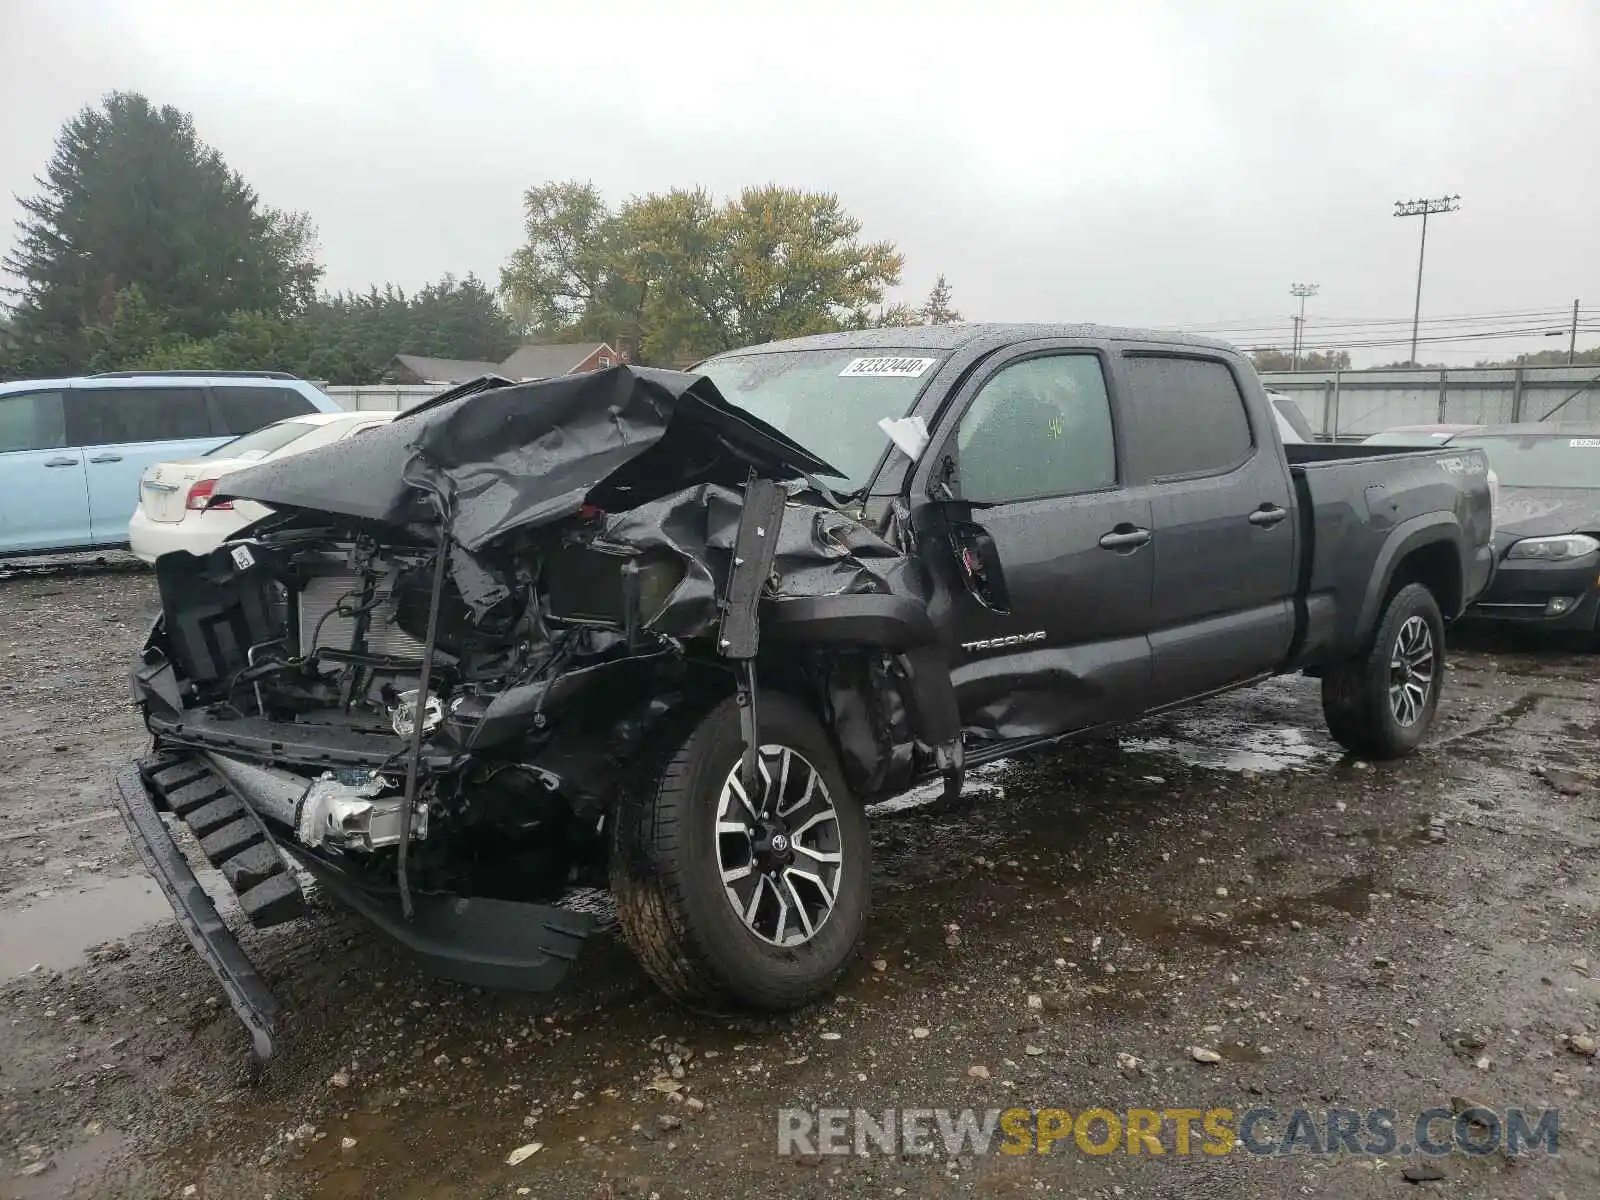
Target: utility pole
x=1302, y=290
x=1423, y=209
x=1572, y=343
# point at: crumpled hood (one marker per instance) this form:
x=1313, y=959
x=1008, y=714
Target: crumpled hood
x=1537, y=512
x=506, y=457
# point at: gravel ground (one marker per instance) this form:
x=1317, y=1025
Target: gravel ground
x=1335, y=933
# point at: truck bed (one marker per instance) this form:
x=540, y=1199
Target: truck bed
x=1317, y=453
x=1360, y=509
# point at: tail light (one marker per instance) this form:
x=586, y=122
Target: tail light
x=200, y=496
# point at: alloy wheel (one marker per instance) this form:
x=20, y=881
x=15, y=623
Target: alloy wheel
x=1412, y=671
x=779, y=851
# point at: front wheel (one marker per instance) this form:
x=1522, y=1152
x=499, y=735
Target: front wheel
x=756, y=897
x=1381, y=705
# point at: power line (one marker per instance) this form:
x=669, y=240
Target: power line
x=1516, y=312
x=1247, y=325
x=1459, y=337
x=1478, y=336
x=1553, y=314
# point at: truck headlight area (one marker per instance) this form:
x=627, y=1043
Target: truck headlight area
x=1554, y=549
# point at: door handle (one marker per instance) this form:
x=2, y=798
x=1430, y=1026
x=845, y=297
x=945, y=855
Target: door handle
x=106, y=458
x=1125, y=537
x=60, y=462
x=1268, y=515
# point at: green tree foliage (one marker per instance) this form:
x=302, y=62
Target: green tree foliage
x=1546, y=358
x=889, y=316
x=680, y=275
x=350, y=338
x=339, y=339
x=569, y=277
x=132, y=198
x=1310, y=360
x=937, y=309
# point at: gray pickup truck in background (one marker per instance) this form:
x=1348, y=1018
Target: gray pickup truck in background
x=673, y=631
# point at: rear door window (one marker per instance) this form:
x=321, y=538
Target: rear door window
x=1188, y=417
x=245, y=409
x=113, y=416
x=32, y=421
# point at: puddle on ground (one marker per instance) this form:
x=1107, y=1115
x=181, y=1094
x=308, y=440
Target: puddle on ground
x=1237, y=1053
x=57, y=931
x=1352, y=895
x=927, y=793
x=1166, y=930
x=1228, y=745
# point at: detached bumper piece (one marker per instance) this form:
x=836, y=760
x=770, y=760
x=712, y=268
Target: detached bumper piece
x=231, y=835
x=246, y=991
x=488, y=943
x=469, y=939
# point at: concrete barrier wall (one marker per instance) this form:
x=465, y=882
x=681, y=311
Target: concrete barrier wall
x=383, y=397
x=1353, y=404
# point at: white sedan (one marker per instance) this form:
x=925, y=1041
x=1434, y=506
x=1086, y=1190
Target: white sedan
x=173, y=513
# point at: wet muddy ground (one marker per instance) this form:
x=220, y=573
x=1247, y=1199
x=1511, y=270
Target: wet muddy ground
x=1340, y=934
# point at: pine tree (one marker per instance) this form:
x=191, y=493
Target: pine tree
x=132, y=197
x=936, y=310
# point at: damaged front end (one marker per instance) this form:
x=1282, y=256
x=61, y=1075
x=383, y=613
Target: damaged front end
x=429, y=677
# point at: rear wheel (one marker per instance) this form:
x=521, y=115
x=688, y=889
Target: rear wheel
x=751, y=897
x=1381, y=705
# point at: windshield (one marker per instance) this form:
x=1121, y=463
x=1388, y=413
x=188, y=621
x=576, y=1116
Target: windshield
x=1542, y=462
x=830, y=401
x=263, y=441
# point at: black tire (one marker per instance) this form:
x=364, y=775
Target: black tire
x=1356, y=695
x=666, y=876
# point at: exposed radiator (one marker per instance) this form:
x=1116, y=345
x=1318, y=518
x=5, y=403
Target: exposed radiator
x=384, y=637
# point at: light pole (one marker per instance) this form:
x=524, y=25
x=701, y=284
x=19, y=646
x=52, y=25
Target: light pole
x=1423, y=209
x=1302, y=290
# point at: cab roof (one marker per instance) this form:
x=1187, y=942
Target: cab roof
x=954, y=337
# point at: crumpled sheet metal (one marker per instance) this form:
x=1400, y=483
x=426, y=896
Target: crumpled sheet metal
x=821, y=552
x=511, y=458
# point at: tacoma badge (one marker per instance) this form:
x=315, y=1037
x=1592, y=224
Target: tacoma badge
x=1015, y=639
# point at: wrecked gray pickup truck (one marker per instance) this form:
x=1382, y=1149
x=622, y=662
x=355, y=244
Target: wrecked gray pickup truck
x=613, y=629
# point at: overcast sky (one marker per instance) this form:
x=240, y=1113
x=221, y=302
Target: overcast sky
x=1146, y=163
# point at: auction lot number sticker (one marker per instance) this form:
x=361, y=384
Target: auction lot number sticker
x=886, y=368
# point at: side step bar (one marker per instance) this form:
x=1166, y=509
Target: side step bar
x=246, y=991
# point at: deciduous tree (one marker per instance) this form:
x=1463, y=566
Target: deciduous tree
x=681, y=275
x=1310, y=360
